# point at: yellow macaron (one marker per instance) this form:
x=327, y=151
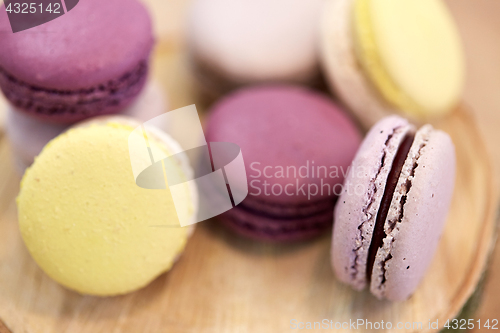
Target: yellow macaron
x=406, y=55
x=86, y=222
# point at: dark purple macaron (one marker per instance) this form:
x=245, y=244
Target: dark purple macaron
x=93, y=60
x=297, y=146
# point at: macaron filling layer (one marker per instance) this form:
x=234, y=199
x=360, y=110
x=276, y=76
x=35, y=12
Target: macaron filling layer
x=73, y=105
x=392, y=180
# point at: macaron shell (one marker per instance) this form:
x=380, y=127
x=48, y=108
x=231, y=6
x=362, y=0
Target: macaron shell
x=90, y=45
x=267, y=228
x=429, y=172
x=357, y=207
x=96, y=242
x=245, y=41
x=293, y=120
x=342, y=68
x=413, y=46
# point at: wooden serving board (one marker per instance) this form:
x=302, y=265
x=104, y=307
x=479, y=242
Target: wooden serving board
x=224, y=283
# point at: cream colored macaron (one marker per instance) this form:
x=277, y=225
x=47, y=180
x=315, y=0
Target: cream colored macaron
x=237, y=43
x=385, y=56
x=86, y=222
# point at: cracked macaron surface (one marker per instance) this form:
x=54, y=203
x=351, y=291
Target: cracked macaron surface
x=392, y=212
x=87, y=62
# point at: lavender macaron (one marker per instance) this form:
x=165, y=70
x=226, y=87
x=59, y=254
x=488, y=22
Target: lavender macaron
x=392, y=212
x=297, y=145
x=93, y=60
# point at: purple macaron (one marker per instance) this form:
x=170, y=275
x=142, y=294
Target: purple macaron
x=392, y=212
x=297, y=146
x=93, y=60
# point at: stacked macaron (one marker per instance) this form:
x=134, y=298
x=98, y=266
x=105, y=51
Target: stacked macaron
x=297, y=145
x=89, y=62
x=236, y=43
x=385, y=56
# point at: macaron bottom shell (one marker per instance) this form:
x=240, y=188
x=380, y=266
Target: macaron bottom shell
x=263, y=226
x=297, y=146
x=423, y=195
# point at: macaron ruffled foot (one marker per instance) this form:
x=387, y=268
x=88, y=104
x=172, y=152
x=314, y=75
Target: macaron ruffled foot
x=389, y=219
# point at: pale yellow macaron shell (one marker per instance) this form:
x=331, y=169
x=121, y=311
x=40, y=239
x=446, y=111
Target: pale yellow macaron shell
x=85, y=221
x=411, y=51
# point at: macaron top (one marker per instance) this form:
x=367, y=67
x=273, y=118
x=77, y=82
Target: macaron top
x=92, y=44
x=411, y=52
x=86, y=222
x=249, y=40
x=290, y=138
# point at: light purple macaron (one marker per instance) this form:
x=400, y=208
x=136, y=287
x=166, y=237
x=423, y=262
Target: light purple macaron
x=93, y=60
x=392, y=212
x=297, y=146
